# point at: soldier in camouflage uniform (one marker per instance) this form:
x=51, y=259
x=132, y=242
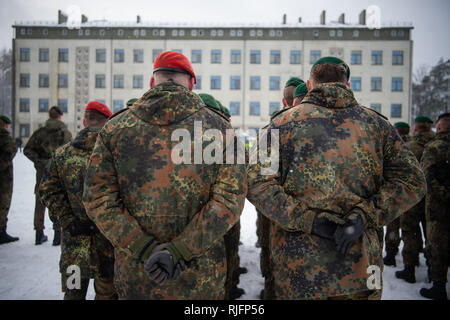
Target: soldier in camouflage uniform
x=165, y=214
x=61, y=190
x=7, y=153
x=392, y=237
x=411, y=220
x=39, y=149
x=343, y=174
x=436, y=166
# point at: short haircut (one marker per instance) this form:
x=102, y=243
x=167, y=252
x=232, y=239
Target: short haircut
x=53, y=114
x=288, y=95
x=328, y=72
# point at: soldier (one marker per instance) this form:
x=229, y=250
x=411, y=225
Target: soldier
x=436, y=166
x=39, y=149
x=7, y=151
x=61, y=190
x=299, y=93
x=165, y=213
x=411, y=220
x=392, y=237
x=343, y=174
x=288, y=93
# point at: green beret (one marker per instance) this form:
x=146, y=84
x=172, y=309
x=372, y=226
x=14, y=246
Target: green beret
x=5, y=119
x=209, y=101
x=422, y=119
x=401, y=125
x=333, y=60
x=224, y=109
x=293, y=82
x=131, y=101
x=300, y=90
x=444, y=115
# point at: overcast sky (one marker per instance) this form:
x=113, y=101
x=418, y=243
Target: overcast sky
x=430, y=18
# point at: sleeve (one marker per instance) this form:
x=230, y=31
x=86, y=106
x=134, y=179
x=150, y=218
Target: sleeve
x=103, y=205
x=30, y=150
x=8, y=152
x=54, y=196
x=221, y=212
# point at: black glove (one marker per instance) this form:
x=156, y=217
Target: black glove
x=347, y=234
x=78, y=228
x=323, y=227
x=164, y=263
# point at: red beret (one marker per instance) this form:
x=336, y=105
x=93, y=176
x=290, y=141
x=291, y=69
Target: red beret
x=173, y=61
x=99, y=107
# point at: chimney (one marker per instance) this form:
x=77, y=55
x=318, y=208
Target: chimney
x=62, y=18
x=284, y=18
x=299, y=19
x=84, y=19
x=362, y=17
x=322, y=17
x=138, y=19
x=342, y=18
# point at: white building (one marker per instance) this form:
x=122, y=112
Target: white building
x=243, y=66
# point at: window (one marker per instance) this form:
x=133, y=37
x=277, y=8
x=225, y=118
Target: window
x=235, y=107
x=24, y=130
x=255, y=83
x=397, y=84
x=44, y=55
x=63, y=55
x=100, y=55
x=255, y=56
x=156, y=53
x=119, y=55
x=255, y=109
x=62, y=104
x=196, y=56
x=100, y=81
x=118, y=81
x=355, y=83
x=43, y=80
x=198, y=85
x=375, y=84
x=377, y=57
x=314, y=56
x=216, y=56
x=24, y=105
x=215, y=82
x=274, y=83
x=138, y=55
x=273, y=107
x=275, y=56
x=376, y=107
x=235, y=56
x=24, y=54
x=396, y=110
x=235, y=82
x=63, y=80
x=296, y=56
x=43, y=105
x=138, y=81
x=117, y=105
x=397, y=57
x=24, y=80
x=356, y=57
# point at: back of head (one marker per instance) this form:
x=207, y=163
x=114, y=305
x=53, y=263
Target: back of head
x=329, y=69
x=422, y=124
x=54, y=112
x=443, y=123
x=96, y=114
x=4, y=121
x=288, y=93
x=173, y=66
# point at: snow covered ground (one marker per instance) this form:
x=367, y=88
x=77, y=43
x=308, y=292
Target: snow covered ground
x=31, y=272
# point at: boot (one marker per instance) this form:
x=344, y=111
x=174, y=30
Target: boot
x=6, y=238
x=57, y=238
x=236, y=292
x=242, y=270
x=409, y=274
x=436, y=292
x=40, y=237
x=389, y=260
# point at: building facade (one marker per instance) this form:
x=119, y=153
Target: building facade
x=243, y=66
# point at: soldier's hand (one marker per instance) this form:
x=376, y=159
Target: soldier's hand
x=347, y=234
x=323, y=227
x=160, y=266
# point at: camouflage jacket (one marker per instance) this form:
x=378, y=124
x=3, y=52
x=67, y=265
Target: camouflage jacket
x=334, y=157
x=133, y=188
x=61, y=190
x=7, y=150
x=417, y=143
x=436, y=166
x=45, y=140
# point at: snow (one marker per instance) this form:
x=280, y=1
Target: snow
x=29, y=272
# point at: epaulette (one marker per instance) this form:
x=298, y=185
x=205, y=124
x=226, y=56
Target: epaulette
x=384, y=117
x=118, y=112
x=217, y=111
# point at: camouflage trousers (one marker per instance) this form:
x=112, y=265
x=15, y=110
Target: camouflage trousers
x=6, y=188
x=39, y=207
x=438, y=246
x=411, y=233
x=392, y=237
x=263, y=233
x=104, y=289
x=232, y=251
x=364, y=295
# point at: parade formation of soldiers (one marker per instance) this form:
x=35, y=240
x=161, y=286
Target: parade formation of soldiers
x=147, y=218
